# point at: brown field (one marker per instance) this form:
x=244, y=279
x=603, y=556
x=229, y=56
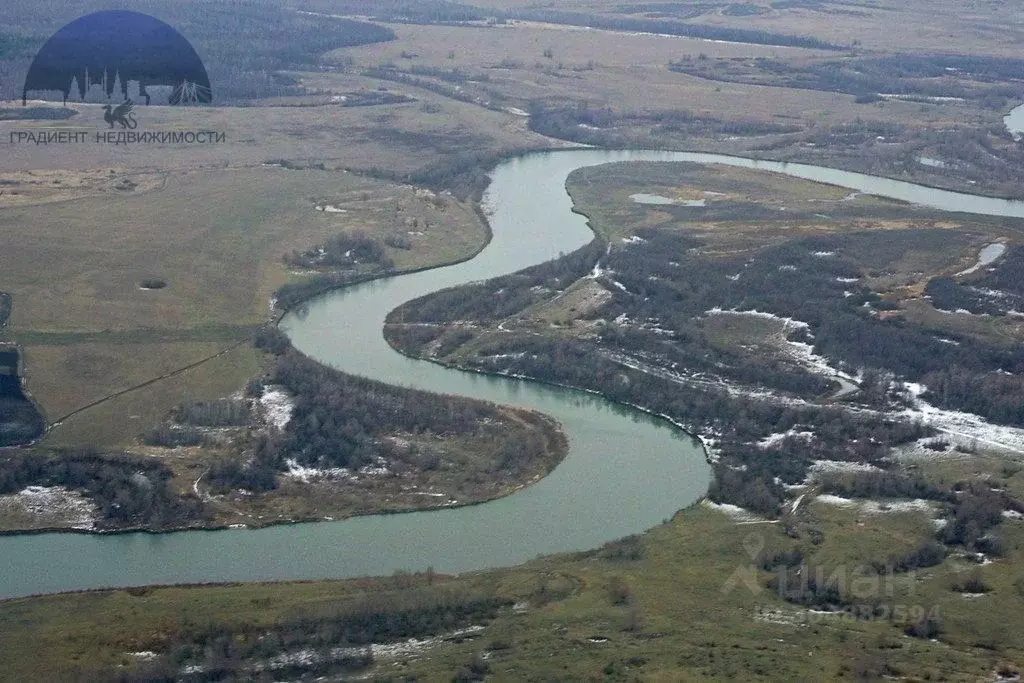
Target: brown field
x=886, y=25
x=399, y=138
x=90, y=330
x=633, y=76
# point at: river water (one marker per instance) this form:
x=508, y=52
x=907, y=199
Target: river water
x=1014, y=122
x=625, y=472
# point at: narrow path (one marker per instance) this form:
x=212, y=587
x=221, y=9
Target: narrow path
x=147, y=383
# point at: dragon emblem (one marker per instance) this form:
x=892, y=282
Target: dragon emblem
x=122, y=114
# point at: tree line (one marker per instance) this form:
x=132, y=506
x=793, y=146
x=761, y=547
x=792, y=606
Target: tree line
x=924, y=76
x=335, y=639
x=340, y=420
x=674, y=28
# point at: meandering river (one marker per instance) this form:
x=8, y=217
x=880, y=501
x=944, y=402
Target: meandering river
x=626, y=471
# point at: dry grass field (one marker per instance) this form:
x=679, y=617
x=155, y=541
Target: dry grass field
x=977, y=27
x=632, y=76
x=216, y=238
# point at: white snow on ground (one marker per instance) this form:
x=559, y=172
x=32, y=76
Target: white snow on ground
x=645, y=198
x=964, y=429
x=633, y=239
x=823, y=254
x=787, y=322
x=736, y=513
x=847, y=280
x=875, y=507
x=330, y=208
x=840, y=466
x=929, y=161
x=379, y=469
x=778, y=437
x=804, y=354
x=986, y=256
x=801, y=352
x=619, y=285
x=918, y=98
x=277, y=406
x=308, y=657
x=515, y=111
x=308, y=474
x=53, y=506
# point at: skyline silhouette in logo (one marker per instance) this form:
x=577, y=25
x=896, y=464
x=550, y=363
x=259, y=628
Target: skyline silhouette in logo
x=119, y=46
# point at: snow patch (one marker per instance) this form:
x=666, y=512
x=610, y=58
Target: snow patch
x=736, y=513
x=277, y=406
x=876, y=507
x=309, y=474
x=53, y=506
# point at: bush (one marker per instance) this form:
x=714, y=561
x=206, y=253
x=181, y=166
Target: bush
x=619, y=591
x=271, y=339
x=926, y=627
x=975, y=583
x=172, y=436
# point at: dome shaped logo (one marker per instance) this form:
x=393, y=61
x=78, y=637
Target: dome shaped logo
x=113, y=50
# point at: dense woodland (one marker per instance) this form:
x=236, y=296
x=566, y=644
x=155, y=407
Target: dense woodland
x=345, y=250
x=665, y=280
x=340, y=421
x=128, y=491
x=998, y=291
x=345, y=258
x=582, y=122
x=20, y=420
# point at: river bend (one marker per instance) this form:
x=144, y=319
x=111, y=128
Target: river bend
x=625, y=472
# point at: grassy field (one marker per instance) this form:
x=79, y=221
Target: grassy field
x=916, y=25
x=634, y=76
x=90, y=330
x=400, y=138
